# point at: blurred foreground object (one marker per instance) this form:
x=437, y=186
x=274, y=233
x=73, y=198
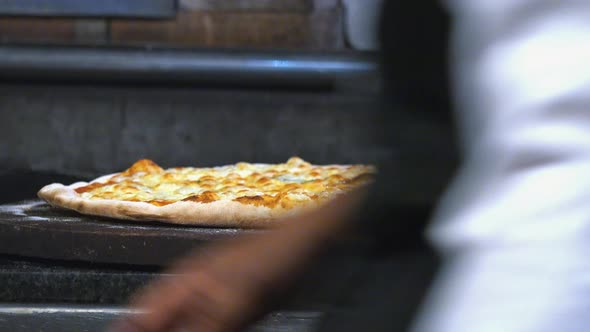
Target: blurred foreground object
x=514, y=225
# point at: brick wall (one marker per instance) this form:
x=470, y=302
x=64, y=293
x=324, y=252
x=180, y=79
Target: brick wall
x=290, y=24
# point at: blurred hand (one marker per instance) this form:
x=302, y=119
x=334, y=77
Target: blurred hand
x=220, y=290
x=227, y=286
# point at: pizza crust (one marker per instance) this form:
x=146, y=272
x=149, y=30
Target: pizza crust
x=216, y=214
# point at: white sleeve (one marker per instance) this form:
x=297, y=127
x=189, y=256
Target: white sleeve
x=515, y=224
x=522, y=86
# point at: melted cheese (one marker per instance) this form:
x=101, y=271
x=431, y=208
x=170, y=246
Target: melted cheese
x=271, y=185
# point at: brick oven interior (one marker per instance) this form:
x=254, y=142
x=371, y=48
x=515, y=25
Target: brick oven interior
x=60, y=127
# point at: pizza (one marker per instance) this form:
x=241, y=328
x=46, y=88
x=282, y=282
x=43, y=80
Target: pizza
x=238, y=195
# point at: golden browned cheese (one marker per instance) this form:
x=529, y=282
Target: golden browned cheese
x=205, y=197
x=159, y=202
x=91, y=187
x=259, y=200
x=143, y=165
x=270, y=185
